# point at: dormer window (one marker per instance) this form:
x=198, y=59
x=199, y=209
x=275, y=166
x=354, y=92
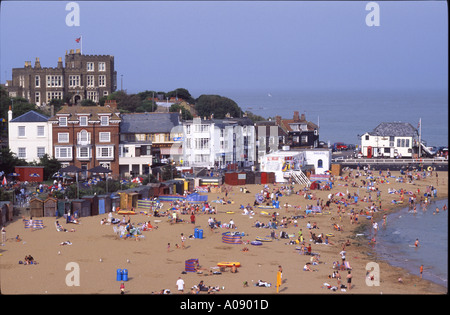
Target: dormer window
x=62, y=121
x=104, y=121
x=83, y=121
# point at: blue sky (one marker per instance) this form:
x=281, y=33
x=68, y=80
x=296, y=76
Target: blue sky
x=212, y=47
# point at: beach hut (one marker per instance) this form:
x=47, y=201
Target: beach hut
x=191, y=265
x=50, y=207
x=63, y=207
x=128, y=200
x=93, y=200
x=81, y=207
x=115, y=202
x=8, y=208
x=231, y=238
x=36, y=207
x=104, y=204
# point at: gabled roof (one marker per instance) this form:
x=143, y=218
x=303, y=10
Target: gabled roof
x=394, y=129
x=149, y=122
x=31, y=116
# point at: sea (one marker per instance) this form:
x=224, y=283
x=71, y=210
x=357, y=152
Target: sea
x=395, y=241
x=343, y=116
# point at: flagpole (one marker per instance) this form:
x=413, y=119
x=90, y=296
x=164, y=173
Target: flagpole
x=81, y=44
x=420, y=137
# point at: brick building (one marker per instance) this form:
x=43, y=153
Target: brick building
x=87, y=136
x=81, y=77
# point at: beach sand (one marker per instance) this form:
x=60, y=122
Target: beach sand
x=152, y=267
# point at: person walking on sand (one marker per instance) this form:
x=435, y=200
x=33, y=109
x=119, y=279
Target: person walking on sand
x=3, y=235
x=180, y=285
x=349, y=280
x=421, y=271
x=122, y=288
x=183, y=238
x=279, y=278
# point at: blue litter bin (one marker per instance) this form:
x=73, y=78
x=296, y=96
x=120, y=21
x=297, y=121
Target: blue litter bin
x=119, y=275
x=125, y=275
x=196, y=232
x=200, y=234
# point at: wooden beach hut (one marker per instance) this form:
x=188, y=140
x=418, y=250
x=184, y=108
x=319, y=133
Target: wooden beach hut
x=93, y=200
x=104, y=204
x=36, y=208
x=50, y=207
x=81, y=207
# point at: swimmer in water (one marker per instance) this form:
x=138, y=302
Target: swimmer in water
x=416, y=243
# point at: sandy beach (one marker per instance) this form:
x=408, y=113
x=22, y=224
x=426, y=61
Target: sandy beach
x=153, y=267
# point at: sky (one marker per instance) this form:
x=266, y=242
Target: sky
x=215, y=46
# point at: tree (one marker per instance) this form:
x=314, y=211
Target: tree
x=218, y=105
x=8, y=160
x=51, y=166
x=181, y=93
x=185, y=114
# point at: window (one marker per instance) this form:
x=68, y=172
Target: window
x=54, y=96
x=84, y=137
x=201, y=128
x=93, y=96
x=40, y=131
x=21, y=131
x=22, y=153
x=90, y=81
x=188, y=129
x=37, y=81
x=22, y=81
x=54, y=81
x=37, y=97
x=83, y=120
x=304, y=139
x=83, y=153
x=201, y=143
x=146, y=150
x=367, y=137
x=104, y=136
x=74, y=80
x=105, y=152
x=63, y=152
x=90, y=66
x=104, y=120
x=319, y=164
x=63, y=137
x=62, y=121
x=101, y=66
x=101, y=80
x=40, y=151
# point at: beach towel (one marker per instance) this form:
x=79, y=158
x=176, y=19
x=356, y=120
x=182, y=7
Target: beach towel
x=347, y=265
x=36, y=224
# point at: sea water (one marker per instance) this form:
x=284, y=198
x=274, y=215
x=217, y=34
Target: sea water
x=343, y=116
x=395, y=241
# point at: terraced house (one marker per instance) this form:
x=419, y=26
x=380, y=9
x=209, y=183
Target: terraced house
x=87, y=136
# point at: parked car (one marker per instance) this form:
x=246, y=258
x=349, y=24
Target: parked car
x=339, y=146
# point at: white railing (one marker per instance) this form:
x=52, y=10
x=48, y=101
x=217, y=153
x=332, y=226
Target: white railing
x=389, y=161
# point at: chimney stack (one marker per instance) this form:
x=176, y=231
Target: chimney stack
x=37, y=63
x=296, y=116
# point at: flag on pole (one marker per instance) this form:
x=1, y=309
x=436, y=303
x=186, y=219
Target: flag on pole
x=78, y=39
x=420, y=121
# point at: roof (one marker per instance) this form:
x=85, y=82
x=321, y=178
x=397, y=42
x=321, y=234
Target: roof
x=31, y=116
x=149, y=122
x=92, y=111
x=394, y=129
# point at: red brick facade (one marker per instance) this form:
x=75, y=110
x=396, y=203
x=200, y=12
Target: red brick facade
x=87, y=136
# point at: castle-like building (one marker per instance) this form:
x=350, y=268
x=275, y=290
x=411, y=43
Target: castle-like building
x=81, y=77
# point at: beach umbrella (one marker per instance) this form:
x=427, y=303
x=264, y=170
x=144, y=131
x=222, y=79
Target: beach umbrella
x=99, y=169
x=35, y=175
x=339, y=194
x=13, y=174
x=4, y=182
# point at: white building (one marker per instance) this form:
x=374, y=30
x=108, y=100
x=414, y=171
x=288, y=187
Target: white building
x=218, y=142
x=30, y=136
x=391, y=140
x=282, y=163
